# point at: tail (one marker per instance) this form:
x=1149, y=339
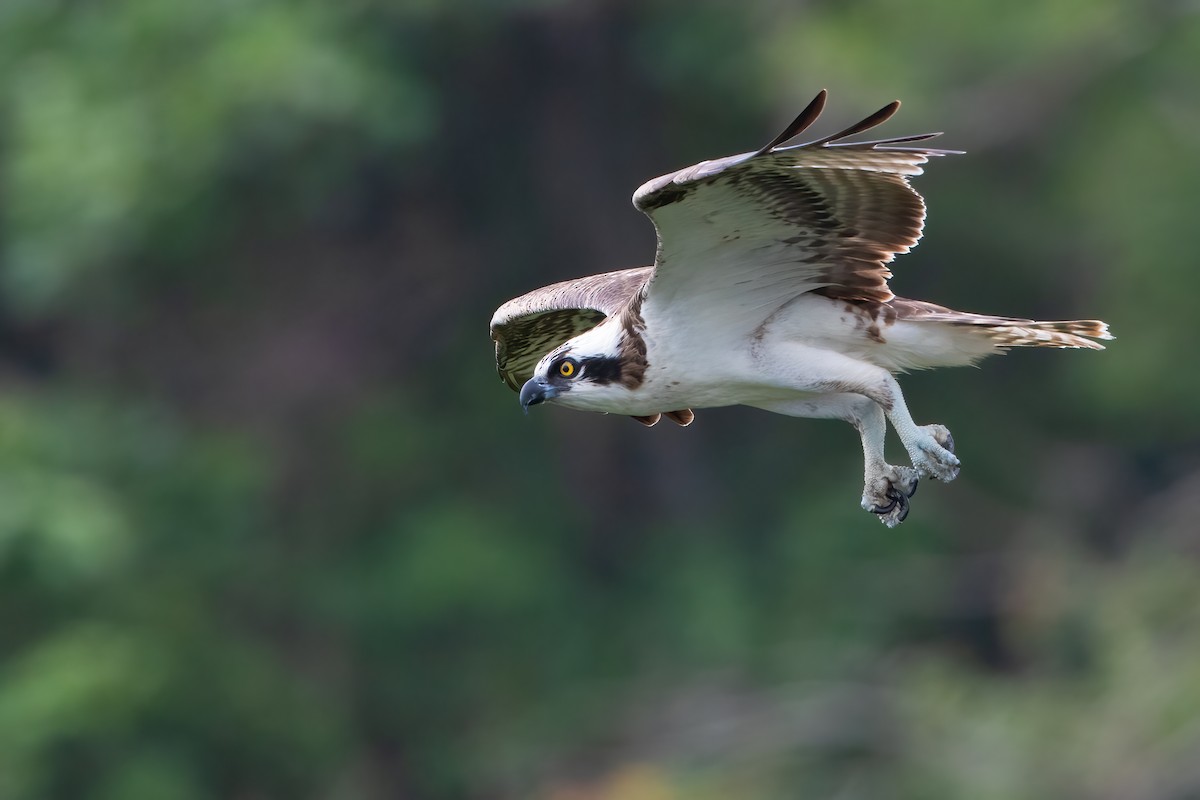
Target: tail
x=1005, y=332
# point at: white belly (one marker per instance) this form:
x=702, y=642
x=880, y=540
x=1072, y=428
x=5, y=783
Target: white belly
x=793, y=350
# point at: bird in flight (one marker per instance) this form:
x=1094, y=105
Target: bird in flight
x=769, y=289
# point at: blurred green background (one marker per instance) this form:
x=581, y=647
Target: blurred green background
x=271, y=527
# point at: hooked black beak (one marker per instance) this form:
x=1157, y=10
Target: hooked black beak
x=535, y=391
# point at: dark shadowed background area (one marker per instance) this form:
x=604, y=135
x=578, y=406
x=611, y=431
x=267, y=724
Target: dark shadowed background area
x=271, y=526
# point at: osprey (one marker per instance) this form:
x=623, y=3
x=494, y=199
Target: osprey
x=770, y=289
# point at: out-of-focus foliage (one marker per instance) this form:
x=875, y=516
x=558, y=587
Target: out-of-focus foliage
x=270, y=527
x=130, y=124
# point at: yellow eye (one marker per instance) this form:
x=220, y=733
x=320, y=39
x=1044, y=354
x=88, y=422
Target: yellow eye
x=566, y=369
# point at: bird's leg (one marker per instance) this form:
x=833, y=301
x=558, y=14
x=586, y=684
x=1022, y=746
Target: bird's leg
x=931, y=447
x=825, y=373
x=886, y=488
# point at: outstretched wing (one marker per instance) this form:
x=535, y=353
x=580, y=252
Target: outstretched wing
x=527, y=327
x=749, y=232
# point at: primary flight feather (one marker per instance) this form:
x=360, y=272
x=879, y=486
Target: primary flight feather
x=770, y=289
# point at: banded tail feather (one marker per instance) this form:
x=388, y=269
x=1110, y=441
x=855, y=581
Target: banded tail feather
x=1074, y=333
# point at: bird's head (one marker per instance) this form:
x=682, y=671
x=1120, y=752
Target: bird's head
x=591, y=372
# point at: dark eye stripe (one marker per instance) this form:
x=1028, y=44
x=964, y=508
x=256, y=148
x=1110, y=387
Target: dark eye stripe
x=602, y=370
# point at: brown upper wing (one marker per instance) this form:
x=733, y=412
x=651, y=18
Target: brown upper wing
x=530, y=326
x=753, y=230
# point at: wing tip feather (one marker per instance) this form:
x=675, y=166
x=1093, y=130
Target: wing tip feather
x=673, y=187
x=800, y=124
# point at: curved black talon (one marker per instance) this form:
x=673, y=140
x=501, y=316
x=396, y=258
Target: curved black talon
x=898, y=498
x=902, y=500
x=881, y=510
x=916, y=483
